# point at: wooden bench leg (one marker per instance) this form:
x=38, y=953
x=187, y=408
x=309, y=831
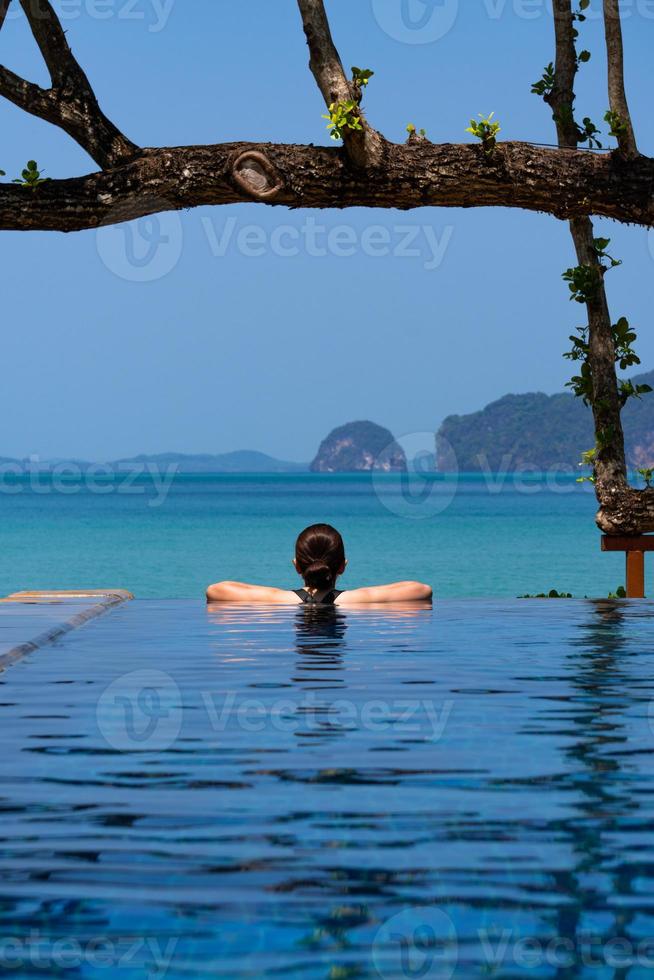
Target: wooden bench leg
x=635, y=575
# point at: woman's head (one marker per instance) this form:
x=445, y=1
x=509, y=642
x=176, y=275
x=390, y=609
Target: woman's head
x=320, y=556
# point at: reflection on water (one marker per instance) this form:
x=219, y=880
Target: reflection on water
x=394, y=792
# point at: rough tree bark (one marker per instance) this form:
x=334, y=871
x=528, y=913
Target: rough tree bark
x=365, y=148
x=617, y=94
x=560, y=182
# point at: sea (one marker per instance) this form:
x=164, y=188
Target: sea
x=162, y=534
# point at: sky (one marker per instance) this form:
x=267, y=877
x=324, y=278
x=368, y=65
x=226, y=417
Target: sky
x=252, y=327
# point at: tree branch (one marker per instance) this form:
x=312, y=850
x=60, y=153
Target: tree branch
x=71, y=103
x=562, y=96
x=617, y=94
x=364, y=147
x=622, y=510
x=25, y=95
x=51, y=39
x=564, y=183
x=4, y=7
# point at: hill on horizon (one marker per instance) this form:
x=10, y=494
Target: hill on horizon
x=538, y=431
x=239, y=461
x=359, y=447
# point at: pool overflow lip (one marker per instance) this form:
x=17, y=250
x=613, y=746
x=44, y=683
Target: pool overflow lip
x=72, y=601
x=77, y=607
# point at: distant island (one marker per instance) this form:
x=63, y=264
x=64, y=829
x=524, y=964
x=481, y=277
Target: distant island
x=537, y=431
x=241, y=461
x=531, y=431
x=359, y=447
x=353, y=448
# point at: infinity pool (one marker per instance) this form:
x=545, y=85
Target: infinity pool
x=464, y=791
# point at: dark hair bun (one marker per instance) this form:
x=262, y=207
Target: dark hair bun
x=318, y=575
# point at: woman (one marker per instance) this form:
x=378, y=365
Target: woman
x=319, y=559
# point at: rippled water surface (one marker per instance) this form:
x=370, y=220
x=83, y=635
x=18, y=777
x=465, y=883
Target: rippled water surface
x=464, y=791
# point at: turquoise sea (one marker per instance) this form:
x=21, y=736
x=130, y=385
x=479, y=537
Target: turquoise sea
x=474, y=535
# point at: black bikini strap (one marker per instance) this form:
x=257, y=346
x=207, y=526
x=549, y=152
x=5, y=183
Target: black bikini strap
x=327, y=600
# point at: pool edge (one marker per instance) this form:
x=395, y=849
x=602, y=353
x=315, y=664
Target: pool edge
x=104, y=599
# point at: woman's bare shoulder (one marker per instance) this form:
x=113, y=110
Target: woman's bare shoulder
x=393, y=592
x=243, y=592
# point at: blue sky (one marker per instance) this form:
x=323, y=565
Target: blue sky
x=255, y=327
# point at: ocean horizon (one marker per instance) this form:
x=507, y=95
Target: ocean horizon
x=164, y=535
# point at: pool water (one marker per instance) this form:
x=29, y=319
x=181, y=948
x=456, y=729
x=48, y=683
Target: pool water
x=393, y=792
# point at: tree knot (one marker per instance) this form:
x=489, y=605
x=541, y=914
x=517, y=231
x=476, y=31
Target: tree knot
x=256, y=175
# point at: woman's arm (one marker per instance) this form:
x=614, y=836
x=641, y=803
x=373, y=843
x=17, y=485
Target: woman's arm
x=242, y=592
x=395, y=592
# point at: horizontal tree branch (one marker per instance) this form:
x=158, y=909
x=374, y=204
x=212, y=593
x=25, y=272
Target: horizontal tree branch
x=564, y=183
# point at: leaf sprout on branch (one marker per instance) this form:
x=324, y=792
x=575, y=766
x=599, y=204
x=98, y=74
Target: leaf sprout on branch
x=588, y=460
x=31, y=177
x=485, y=130
x=617, y=125
x=343, y=115
x=361, y=76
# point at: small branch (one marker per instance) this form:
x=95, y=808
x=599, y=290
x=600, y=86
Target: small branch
x=562, y=96
x=4, y=7
x=617, y=94
x=26, y=95
x=51, y=39
x=71, y=103
x=325, y=62
x=364, y=147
